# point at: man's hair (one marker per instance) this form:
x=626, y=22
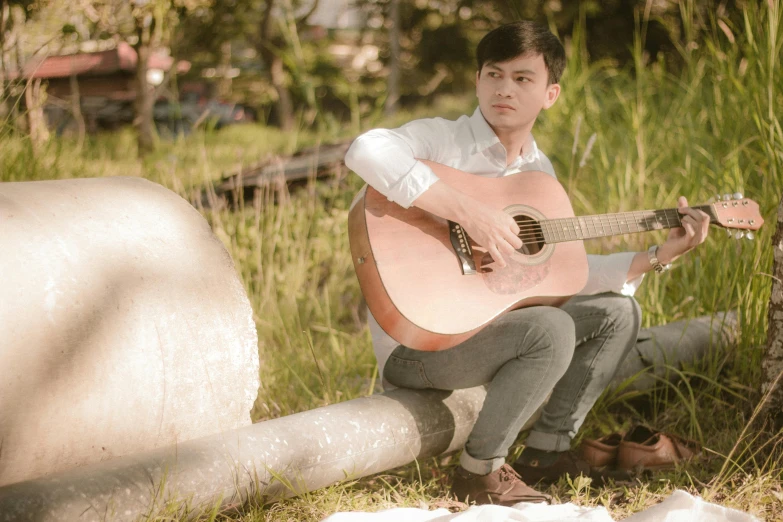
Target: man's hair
x=508, y=41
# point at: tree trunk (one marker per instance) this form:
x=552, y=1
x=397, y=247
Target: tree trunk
x=284, y=107
x=393, y=86
x=4, y=14
x=224, y=69
x=144, y=102
x=17, y=116
x=772, y=365
x=35, y=97
x=76, y=110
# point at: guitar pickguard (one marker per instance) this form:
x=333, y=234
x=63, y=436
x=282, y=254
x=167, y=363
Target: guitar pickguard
x=517, y=276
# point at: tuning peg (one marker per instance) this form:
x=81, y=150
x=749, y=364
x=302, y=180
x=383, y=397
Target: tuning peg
x=728, y=232
x=717, y=197
x=726, y=197
x=739, y=235
x=750, y=236
x=737, y=195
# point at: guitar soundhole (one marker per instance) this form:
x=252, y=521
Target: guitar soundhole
x=531, y=235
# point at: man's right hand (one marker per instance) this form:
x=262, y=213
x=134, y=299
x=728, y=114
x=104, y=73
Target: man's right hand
x=489, y=227
x=494, y=230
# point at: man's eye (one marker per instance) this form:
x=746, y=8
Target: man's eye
x=523, y=79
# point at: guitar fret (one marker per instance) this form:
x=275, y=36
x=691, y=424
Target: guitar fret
x=677, y=217
x=640, y=221
x=605, y=225
x=548, y=232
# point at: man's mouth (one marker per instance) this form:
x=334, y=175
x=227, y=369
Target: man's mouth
x=503, y=106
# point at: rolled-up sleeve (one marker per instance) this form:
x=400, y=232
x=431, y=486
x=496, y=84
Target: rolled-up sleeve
x=609, y=273
x=387, y=159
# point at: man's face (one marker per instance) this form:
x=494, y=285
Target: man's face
x=512, y=93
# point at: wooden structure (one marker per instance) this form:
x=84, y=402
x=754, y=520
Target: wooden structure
x=107, y=74
x=313, y=162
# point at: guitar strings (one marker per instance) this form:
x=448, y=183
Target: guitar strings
x=565, y=229
x=535, y=231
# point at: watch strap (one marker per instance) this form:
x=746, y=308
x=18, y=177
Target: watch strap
x=652, y=256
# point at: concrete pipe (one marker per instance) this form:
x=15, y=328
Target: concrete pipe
x=285, y=456
x=276, y=458
x=662, y=348
x=123, y=325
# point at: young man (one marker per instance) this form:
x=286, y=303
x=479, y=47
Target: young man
x=571, y=352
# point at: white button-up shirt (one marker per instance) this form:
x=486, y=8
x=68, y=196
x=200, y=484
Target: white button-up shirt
x=387, y=159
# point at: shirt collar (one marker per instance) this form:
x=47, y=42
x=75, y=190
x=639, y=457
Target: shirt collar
x=484, y=137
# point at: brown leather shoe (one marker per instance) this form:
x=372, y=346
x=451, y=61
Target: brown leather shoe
x=567, y=463
x=643, y=448
x=502, y=487
x=601, y=452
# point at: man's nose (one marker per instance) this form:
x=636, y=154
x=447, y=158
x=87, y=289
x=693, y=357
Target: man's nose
x=503, y=88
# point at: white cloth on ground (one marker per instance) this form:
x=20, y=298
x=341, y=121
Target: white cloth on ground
x=680, y=506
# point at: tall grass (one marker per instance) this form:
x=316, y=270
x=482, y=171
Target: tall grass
x=710, y=128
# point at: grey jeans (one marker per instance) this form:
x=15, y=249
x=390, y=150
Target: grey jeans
x=572, y=352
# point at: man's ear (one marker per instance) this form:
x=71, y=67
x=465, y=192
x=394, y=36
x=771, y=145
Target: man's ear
x=478, y=75
x=552, y=93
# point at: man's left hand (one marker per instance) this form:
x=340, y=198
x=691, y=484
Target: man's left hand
x=693, y=232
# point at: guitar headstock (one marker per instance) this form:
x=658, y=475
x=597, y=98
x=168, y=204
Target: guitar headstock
x=737, y=212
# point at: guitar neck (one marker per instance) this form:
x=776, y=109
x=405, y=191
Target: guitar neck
x=605, y=225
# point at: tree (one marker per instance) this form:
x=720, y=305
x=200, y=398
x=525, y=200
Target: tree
x=270, y=42
x=13, y=15
x=147, y=26
x=394, y=59
x=147, y=38
x=270, y=29
x=772, y=366
x=154, y=27
x=5, y=15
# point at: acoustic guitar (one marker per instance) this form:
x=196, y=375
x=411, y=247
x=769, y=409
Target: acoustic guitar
x=431, y=288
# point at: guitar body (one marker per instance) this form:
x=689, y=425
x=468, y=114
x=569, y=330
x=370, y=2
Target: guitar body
x=412, y=278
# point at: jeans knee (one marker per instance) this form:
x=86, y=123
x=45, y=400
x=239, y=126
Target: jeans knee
x=557, y=331
x=561, y=326
x=625, y=313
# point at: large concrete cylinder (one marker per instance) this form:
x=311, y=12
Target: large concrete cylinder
x=123, y=325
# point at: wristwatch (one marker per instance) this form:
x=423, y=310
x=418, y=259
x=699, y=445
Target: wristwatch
x=652, y=256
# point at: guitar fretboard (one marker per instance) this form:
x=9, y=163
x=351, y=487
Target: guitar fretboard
x=604, y=225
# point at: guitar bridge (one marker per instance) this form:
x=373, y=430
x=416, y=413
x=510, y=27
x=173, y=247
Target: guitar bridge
x=461, y=245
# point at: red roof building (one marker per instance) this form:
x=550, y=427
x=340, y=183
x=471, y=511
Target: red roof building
x=109, y=74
